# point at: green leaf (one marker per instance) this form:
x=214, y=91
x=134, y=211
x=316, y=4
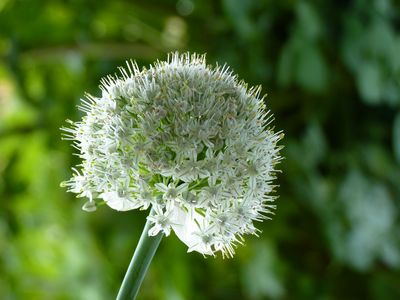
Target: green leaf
x=309, y=23
x=311, y=71
x=396, y=137
x=369, y=82
x=285, y=66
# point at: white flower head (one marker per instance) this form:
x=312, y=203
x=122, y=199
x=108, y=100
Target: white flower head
x=186, y=138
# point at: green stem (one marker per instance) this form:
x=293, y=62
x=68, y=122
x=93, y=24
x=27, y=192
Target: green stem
x=140, y=262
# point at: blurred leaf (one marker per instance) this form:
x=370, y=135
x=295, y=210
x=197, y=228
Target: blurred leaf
x=285, y=63
x=390, y=253
x=371, y=52
x=396, y=137
x=260, y=276
x=370, y=83
x=301, y=62
x=311, y=72
x=380, y=39
x=309, y=23
x=240, y=15
x=370, y=219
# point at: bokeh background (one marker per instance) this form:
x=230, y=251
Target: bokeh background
x=332, y=73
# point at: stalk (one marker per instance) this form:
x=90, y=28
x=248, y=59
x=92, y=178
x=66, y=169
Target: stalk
x=139, y=264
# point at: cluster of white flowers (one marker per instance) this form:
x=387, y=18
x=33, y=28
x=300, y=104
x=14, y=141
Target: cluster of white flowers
x=187, y=139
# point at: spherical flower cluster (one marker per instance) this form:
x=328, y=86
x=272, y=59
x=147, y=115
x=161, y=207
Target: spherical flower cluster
x=187, y=139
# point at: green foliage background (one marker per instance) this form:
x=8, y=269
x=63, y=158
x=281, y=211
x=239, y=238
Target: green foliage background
x=332, y=72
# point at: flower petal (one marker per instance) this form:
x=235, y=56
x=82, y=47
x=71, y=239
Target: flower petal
x=118, y=203
x=185, y=228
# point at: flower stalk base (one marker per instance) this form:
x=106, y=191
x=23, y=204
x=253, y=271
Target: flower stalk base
x=139, y=264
